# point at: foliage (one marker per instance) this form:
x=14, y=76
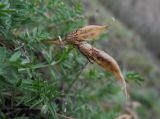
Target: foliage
x=39, y=81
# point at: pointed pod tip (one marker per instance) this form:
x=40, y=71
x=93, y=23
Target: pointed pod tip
x=123, y=84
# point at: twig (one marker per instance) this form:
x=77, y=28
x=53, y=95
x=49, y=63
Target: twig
x=77, y=77
x=40, y=67
x=63, y=116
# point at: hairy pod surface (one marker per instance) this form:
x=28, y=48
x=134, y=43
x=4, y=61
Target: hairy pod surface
x=100, y=57
x=82, y=34
x=86, y=33
x=104, y=60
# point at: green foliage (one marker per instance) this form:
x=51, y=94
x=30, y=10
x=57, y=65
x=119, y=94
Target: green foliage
x=31, y=74
x=5, y=16
x=133, y=76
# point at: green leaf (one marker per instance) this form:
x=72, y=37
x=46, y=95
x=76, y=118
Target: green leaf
x=3, y=53
x=52, y=108
x=134, y=77
x=36, y=104
x=19, y=82
x=22, y=117
x=8, y=10
x=37, y=66
x=15, y=56
x=2, y=5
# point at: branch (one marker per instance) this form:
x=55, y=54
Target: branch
x=77, y=77
x=63, y=116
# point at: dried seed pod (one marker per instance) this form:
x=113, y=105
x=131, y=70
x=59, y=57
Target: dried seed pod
x=86, y=33
x=104, y=60
x=79, y=35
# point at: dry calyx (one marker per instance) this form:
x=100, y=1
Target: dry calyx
x=79, y=37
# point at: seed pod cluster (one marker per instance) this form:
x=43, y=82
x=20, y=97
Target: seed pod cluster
x=79, y=37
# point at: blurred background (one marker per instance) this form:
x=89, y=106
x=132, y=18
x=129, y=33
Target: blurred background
x=140, y=16
x=134, y=40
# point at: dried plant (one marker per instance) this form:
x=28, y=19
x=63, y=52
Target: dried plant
x=86, y=33
x=78, y=38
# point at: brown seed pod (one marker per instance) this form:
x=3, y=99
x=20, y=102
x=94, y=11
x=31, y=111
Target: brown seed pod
x=86, y=33
x=79, y=35
x=104, y=60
